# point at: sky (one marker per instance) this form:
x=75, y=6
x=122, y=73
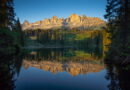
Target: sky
x=35, y=10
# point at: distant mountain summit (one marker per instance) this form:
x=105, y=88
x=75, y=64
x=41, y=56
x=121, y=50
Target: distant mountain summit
x=73, y=21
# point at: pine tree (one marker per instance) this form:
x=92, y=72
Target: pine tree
x=118, y=16
x=7, y=13
x=18, y=30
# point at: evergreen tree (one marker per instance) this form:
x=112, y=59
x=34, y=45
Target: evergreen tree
x=9, y=40
x=6, y=13
x=118, y=16
x=18, y=30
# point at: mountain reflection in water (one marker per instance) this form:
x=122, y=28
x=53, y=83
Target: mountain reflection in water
x=58, y=61
x=74, y=68
x=61, y=69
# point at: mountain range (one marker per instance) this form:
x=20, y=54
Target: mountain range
x=74, y=21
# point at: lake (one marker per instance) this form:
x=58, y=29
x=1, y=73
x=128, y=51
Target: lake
x=58, y=69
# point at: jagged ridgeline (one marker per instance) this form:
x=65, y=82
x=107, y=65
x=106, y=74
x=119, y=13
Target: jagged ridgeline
x=74, y=21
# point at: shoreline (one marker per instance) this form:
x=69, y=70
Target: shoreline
x=44, y=47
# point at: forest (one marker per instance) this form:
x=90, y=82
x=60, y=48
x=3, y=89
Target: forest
x=66, y=38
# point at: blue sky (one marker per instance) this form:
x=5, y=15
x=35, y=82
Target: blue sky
x=35, y=10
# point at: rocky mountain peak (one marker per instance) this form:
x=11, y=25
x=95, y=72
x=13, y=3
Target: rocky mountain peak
x=26, y=22
x=54, y=17
x=73, y=21
x=74, y=18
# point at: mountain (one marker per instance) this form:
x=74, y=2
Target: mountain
x=73, y=21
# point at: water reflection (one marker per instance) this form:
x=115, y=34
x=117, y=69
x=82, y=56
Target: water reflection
x=9, y=70
x=74, y=62
x=118, y=75
x=65, y=69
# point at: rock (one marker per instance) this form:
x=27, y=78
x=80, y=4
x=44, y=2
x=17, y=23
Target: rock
x=73, y=21
x=74, y=18
x=26, y=22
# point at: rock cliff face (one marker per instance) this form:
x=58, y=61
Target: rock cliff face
x=74, y=21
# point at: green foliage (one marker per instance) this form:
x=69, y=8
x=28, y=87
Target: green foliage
x=71, y=38
x=19, y=33
x=118, y=16
x=11, y=36
x=8, y=42
x=82, y=54
x=6, y=13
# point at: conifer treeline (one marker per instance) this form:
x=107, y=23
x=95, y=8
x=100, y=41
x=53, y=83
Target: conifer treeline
x=7, y=14
x=11, y=36
x=72, y=38
x=118, y=56
x=118, y=16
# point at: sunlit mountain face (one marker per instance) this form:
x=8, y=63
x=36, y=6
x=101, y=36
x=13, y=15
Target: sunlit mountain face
x=74, y=21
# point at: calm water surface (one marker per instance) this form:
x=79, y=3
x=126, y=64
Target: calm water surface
x=57, y=69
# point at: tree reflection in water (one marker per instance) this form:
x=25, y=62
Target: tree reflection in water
x=118, y=75
x=74, y=62
x=9, y=70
